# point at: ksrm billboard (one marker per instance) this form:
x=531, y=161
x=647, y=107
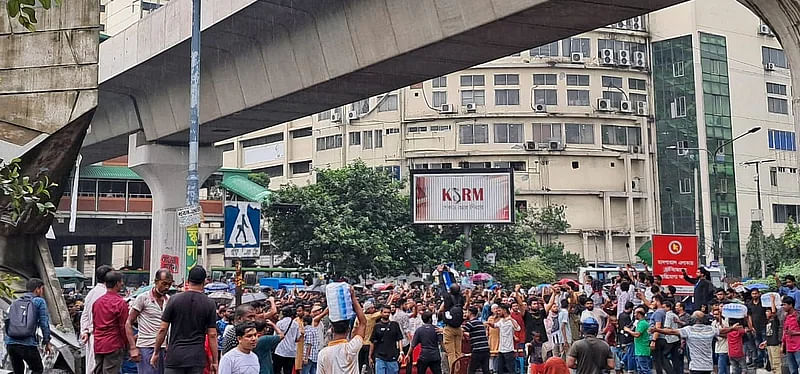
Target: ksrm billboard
x=462, y=196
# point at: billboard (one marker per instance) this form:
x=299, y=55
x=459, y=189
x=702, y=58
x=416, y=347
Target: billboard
x=242, y=229
x=462, y=196
x=673, y=253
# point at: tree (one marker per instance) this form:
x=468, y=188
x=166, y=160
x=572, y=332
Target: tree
x=527, y=272
x=261, y=179
x=25, y=11
x=28, y=196
x=554, y=255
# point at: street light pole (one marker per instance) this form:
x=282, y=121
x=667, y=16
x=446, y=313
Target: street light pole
x=760, y=217
x=671, y=209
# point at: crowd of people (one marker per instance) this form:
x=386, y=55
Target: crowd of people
x=633, y=324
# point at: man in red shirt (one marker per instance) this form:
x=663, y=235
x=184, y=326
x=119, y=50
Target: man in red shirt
x=109, y=314
x=791, y=334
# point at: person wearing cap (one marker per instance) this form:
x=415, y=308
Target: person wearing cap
x=189, y=317
x=590, y=355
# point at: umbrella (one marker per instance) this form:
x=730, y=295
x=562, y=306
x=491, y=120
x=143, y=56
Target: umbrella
x=222, y=295
x=481, y=277
x=757, y=286
x=250, y=297
x=217, y=286
x=566, y=281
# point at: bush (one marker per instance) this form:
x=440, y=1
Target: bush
x=528, y=272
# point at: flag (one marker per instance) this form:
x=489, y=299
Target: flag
x=645, y=252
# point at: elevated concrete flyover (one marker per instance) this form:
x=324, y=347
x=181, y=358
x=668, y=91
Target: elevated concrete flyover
x=270, y=61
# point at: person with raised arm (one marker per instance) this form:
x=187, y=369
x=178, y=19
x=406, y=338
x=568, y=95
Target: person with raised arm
x=341, y=355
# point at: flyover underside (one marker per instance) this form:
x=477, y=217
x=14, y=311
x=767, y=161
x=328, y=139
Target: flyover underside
x=246, y=63
x=96, y=230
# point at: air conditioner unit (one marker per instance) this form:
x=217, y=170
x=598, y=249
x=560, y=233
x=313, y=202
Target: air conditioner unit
x=556, y=145
x=543, y=146
x=336, y=117
x=635, y=149
x=636, y=185
x=604, y=105
x=448, y=108
x=471, y=107
x=624, y=58
x=636, y=23
x=352, y=115
x=625, y=107
x=641, y=108
x=764, y=30
x=621, y=25
x=576, y=57
x=607, y=56
x=639, y=60
x=530, y=146
x=540, y=108
x=770, y=66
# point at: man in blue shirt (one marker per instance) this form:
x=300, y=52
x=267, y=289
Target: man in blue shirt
x=789, y=289
x=22, y=350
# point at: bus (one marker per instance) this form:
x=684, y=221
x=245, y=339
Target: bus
x=252, y=275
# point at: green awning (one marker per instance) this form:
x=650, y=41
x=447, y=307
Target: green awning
x=108, y=172
x=239, y=184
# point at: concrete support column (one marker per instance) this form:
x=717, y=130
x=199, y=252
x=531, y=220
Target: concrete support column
x=56, y=252
x=80, y=260
x=164, y=169
x=137, y=255
x=609, y=240
x=103, y=254
x=146, y=260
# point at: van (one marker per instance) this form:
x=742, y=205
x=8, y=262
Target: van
x=607, y=272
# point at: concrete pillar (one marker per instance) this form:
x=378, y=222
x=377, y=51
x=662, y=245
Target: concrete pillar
x=56, y=252
x=80, y=260
x=164, y=169
x=137, y=255
x=146, y=261
x=103, y=254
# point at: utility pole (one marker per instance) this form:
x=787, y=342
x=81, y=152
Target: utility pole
x=758, y=218
x=192, y=180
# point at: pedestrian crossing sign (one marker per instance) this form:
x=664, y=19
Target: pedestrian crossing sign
x=242, y=229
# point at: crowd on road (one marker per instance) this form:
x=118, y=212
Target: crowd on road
x=633, y=324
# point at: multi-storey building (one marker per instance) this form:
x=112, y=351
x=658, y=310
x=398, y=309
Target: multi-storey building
x=117, y=15
x=570, y=117
x=718, y=72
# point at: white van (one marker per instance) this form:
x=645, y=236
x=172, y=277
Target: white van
x=607, y=272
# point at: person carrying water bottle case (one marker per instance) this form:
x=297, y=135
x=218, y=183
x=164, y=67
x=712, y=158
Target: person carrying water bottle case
x=24, y=316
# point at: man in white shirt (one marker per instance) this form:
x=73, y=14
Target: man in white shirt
x=242, y=360
x=146, y=311
x=341, y=355
x=87, y=326
x=507, y=327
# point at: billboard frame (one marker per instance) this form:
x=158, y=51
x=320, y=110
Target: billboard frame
x=497, y=171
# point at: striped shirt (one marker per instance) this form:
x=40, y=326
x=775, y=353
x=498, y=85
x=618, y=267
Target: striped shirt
x=477, y=335
x=313, y=341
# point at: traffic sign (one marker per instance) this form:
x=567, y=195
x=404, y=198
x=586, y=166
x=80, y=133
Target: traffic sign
x=189, y=215
x=242, y=230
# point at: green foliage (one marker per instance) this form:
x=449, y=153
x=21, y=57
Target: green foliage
x=527, y=272
x=547, y=222
x=556, y=258
x=25, y=11
x=261, y=179
x=27, y=196
x=6, y=290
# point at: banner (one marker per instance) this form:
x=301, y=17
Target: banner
x=170, y=263
x=462, y=196
x=672, y=254
x=191, y=247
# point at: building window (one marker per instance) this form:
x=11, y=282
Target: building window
x=776, y=89
x=473, y=134
x=269, y=139
x=303, y=167
x=416, y=129
x=544, y=79
x=506, y=79
x=355, y=138
x=301, y=133
x=678, y=69
x=637, y=98
x=612, y=82
x=440, y=82
x=615, y=97
x=774, y=56
x=389, y=104
x=477, y=97
x=441, y=128
x=773, y=176
x=506, y=97
x=226, y=147
x=545, y=96
x=685, y=186
x=324, y=115
x=474, y=165
x=378, y=138
x=272, y=171
x=776, y=105
x=442, y=165
x=682, y=147
x=508, y=133
x=678, y=107
x=472, y=80
x=621, y=135
x=578, y=97
x=392, y=131
x=724, y=224
x=723, y=185
x=782, y=140
x=360, y=107
x=439, y=98
x=367, y=135
x=637, y=84
x=577, y=45
x=547, y=50
x=579, y=133
x=515, y=165
x=577, y=80
x=329, y=142
x=546, y=132
x=782, y=213
x=391, y=171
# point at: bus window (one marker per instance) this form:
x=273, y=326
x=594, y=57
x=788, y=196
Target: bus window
x=230, y=275
x=277, y=274
x=216, y=275
x=249, y=278
x=260, y=275
x=294, y=275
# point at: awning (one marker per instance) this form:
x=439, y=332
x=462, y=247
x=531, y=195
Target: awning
x=108, y=172
x=239, y=184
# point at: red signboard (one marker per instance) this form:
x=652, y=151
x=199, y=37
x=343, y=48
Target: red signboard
x=672, y=254
x=170, y=263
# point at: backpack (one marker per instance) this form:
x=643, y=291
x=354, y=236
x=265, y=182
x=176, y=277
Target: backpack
x=455, y=316
x=22, y=319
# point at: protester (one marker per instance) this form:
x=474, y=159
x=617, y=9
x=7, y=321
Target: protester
x=341, y=355
x=773, y=337
x=265, y=346
x=590, y=355
x=146, y=312
x=452, y=310
x=110, y=314
x=703, y=288
x=87, y=327
x=641, y=342
x=479, y=343
x=243, y=313
x=428, y=337
x=791, y=333
x=699, y=338
x=507, y=352
x=242, y=360
x=387, y=347
x=22, y=345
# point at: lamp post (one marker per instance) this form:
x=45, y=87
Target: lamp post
x=671, y=209
x=709, y=251
x=760, y=216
